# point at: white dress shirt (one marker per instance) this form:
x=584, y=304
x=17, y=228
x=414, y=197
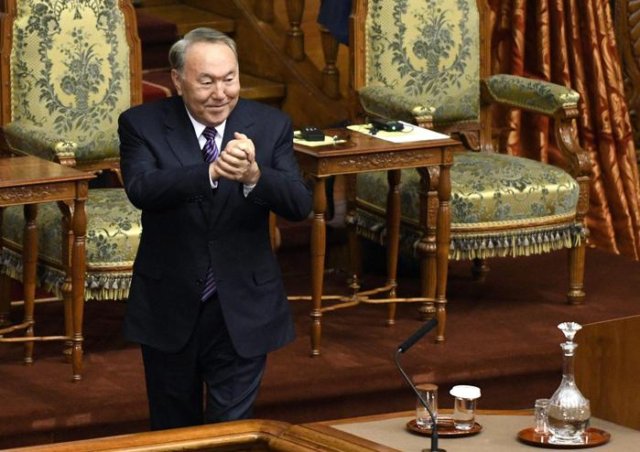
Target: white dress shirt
x=199, y=129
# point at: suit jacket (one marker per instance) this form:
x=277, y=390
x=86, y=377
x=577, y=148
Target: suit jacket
x=188, y=226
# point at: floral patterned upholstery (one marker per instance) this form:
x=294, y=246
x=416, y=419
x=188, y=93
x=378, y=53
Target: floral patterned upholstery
x=422, y=59
x=488, y=192
x=112, y=241
x=71, y=74
x=533, y=95
x=426, y=58
x=70, y=77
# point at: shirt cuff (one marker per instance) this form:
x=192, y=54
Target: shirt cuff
x=246, y=189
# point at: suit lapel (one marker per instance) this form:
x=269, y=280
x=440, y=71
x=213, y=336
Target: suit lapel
x=180, y=134
x=184, y=143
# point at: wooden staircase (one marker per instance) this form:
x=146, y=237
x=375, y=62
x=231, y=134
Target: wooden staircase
x=275, y=66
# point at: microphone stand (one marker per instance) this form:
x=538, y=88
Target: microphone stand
x=406, y=345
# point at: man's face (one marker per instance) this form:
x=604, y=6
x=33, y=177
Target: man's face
x=209, y=83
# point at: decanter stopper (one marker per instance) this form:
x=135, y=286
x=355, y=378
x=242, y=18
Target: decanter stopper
x=569, y=329
x=569, y=410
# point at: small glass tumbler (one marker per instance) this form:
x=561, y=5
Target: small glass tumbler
x=429, y=393
x=540, y=415
x=464, y=406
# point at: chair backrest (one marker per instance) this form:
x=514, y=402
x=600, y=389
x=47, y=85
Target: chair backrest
x=433, y=52
x=607, y=365
x=69, y=67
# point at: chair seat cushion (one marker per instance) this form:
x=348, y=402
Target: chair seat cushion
x=113, y=235
x=500, y=205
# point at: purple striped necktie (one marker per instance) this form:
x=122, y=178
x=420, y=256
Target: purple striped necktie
x=211, y=152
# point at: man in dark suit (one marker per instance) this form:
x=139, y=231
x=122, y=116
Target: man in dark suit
x=207, y=302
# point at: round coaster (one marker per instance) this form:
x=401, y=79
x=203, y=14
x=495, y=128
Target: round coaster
x=594, y=437
x=445, y=429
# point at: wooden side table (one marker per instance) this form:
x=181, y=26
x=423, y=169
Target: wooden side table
x=28, y=180
x=362, y=153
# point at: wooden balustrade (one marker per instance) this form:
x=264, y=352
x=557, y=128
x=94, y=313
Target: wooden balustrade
x=308, y=59
x=295, y=35
x=330, y=73
x=295, y=40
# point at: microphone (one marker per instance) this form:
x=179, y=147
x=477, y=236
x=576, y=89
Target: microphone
x=406, y=345
x=415, y=337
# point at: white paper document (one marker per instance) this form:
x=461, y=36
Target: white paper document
x=409, y=133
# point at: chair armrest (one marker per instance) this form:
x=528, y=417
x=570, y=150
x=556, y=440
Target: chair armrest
x=386, y=103
x=538, y=96
x=27, y=138
x=549, y=99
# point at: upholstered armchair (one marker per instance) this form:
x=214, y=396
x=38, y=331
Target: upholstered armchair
x=427, y=62
x=68, y=69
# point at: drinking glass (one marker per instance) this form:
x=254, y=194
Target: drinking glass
x=540, y=414
x=429, y=393
x=464, y=406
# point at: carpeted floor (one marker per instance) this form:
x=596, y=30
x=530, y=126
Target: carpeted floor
x=501, y=335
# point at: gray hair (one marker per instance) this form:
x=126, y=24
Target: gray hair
x=203, y=34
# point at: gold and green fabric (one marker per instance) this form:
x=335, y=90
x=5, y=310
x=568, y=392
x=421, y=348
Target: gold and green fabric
x=111, y=245
x=70, y=78
x=424, y=64
x=496, y=203
x=422, y=59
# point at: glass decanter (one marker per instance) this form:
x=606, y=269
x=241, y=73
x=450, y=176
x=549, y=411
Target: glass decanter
x=568, y=412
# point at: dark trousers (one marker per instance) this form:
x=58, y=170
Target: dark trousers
x=176, y=381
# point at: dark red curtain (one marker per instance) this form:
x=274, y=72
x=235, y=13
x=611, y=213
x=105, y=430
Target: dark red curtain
x=572, y=42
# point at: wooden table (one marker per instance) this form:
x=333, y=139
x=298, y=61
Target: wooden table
x=499, y=432
x=362, y=153
x=28, y=180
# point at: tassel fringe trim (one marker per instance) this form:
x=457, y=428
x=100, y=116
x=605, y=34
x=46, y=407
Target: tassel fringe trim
x=517, y=243
x=98, y=285
x=512, y=243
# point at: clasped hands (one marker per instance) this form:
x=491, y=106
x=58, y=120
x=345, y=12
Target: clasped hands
x=237, y=161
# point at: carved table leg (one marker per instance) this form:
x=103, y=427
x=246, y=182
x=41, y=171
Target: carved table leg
x=318, y=248
x=427, y=246
x=29, y=259
x=393, y=237
x=66, y=238
x=443, y=235
x=78, y=267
